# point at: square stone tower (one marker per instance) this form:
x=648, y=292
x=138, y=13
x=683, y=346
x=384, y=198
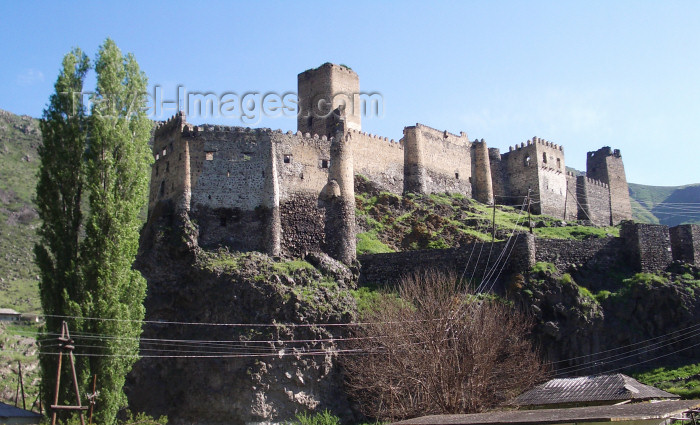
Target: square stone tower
x=606, y=166
x=326, y=93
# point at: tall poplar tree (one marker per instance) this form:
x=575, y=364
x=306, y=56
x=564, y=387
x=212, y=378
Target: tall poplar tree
x=59, y=194
x=86, y=263
x=117, y=163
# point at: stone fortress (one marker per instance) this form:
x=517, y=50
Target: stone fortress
x=291, y=193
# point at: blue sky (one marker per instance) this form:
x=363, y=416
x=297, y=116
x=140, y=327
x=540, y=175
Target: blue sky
x=581, y=74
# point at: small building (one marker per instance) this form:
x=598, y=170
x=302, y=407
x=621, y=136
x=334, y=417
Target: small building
x=11, y=415
x=631, y=414
x=596, y=390
x=9, y=315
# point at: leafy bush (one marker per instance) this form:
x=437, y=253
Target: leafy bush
x=322, y=418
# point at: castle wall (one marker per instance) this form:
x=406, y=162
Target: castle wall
x=389, y=268
x=685, y=243
x=302, y=163
x=333, y=86
x=552, y=177
x=601, y=253
x=482, y=183
x=594, y=198
x=436, y=161
x=170, y=168
x=520, y=173
x=500, y=191
x=606, y=166
x=232, y=196
x=571, y=196
x=647, y=246
x=378, y=159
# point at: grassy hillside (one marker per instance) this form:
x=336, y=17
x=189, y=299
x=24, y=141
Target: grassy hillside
x=19, y=139
x=669, y=205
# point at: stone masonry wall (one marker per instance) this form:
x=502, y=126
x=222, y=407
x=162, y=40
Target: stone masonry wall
x=481, y=180
x=322, y=90
x=497, y=183
x=594, y=199
x=647, y=246
x=389, y=268
x=552, y=177
x=520, y=173
x=378, y=159
x=606, y=166
x=169, y=168
x=302, y=163
x=436, y=161
x=602, y=253
x=685, y=243
x=571, y=196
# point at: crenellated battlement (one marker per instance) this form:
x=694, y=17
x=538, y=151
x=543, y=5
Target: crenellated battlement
x=174, y=123
x=279, y=184
x=596, y=182
x=391, y=142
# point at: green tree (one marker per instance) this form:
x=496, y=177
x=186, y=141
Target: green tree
x=58, y=197
x=106, y=155
x=117, y=162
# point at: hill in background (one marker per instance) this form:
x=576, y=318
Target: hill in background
x=669, y=205
x=20, y=137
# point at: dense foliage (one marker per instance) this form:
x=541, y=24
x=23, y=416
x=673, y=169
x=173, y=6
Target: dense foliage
x=86, y=263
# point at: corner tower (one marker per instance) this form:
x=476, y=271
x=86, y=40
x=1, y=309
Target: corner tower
x=606, y=166
x=324, y=90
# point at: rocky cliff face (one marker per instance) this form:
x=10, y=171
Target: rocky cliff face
x=648, y=319
x=270, y=365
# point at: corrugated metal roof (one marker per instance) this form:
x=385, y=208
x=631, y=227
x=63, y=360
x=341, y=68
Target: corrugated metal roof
x=632, y=412
x=597, y=388
x=7, y=411
x=8, y=311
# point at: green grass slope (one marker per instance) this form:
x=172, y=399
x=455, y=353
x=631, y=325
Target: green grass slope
x=19, y=139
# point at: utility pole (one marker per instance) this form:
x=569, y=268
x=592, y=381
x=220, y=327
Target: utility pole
x=20, y=384
x=566, y=199
x=493, y=222
x=529, y=218
x=66, y=344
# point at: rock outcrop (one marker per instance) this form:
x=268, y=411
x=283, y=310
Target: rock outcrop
x=267, y=362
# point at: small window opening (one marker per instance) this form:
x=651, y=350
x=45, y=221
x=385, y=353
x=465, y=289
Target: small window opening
x=209, y=196
x=527, y=161
x=157, y=157
x=165, y=152
x=559, y=163
x=161, y=191
x=157, y=171
x=180, y=157
x=310, y=122
x=209, y=156
x=228, y=174
x=167, y=166
x=544, y=158
x=287, y=159
x=457, y=176
x=324, y=163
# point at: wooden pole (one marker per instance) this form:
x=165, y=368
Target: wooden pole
x=92, y=399
x=66, y=344
x=493, y=222
x=529, y=218
x=21, y=384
